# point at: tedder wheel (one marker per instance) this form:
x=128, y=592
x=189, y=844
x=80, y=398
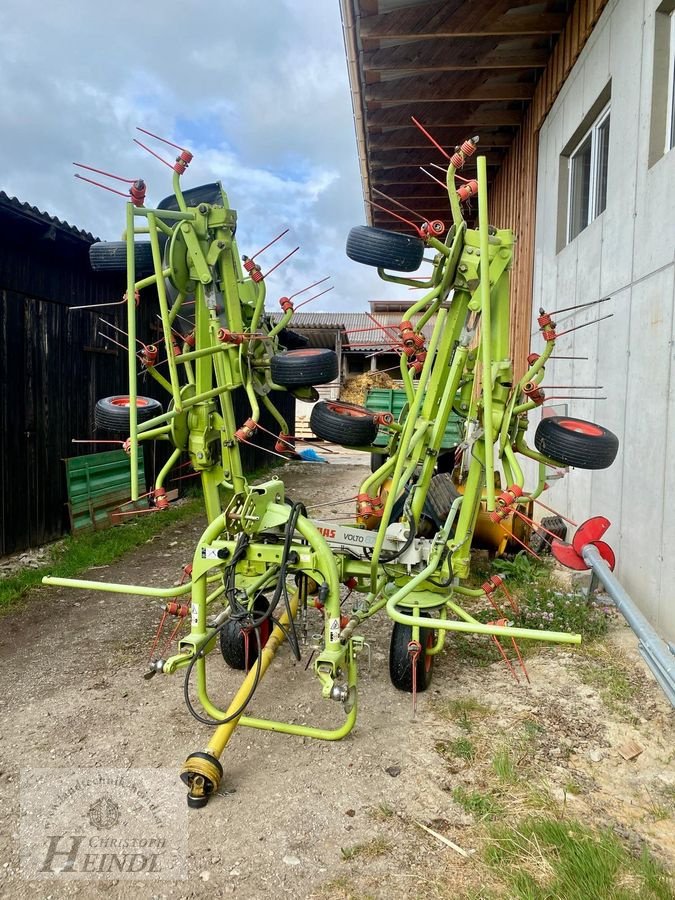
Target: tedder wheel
x=111, y=256
x=112, y=413
x=310, y=365
x=400, y=662
x=343, y=423
x=576, y=442
x=233, y=644
x=384, y=249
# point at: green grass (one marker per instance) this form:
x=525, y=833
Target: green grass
x=75, y=555
x=504, y=767
x=482, y=806
x=547, y=859
x=381, y=812
x=463, y=748
x=464, y=711
x=369, y=850
x=522, y=569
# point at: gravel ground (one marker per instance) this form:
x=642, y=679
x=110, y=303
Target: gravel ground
x=303, y=818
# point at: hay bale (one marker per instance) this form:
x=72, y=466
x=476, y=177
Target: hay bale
x=354, y=390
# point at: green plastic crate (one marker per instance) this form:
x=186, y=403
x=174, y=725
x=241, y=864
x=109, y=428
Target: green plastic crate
x=393, y=401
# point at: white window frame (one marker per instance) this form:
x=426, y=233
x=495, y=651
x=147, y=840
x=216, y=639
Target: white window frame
x=670, y=108
x=592, y=212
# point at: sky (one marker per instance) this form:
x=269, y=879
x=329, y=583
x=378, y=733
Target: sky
x=258, y=91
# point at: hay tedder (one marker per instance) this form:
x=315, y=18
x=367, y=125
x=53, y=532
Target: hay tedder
x=262, y=561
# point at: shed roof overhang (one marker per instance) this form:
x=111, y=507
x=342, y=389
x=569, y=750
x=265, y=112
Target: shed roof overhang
x=461, y=67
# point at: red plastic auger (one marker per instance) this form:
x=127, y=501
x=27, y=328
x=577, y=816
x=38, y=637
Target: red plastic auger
x=589, y=532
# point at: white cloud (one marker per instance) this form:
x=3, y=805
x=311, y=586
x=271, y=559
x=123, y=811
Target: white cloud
x=258, y=91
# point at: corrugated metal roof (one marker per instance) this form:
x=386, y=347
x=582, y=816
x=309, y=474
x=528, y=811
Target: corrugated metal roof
x=359, y=332
x=26, y=211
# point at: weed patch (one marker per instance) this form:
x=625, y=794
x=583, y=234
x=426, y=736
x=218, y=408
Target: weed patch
x=464, y=711
x=369, y=850
x=482, y=806
x=547, y=859
x=100, y=548
x=504, y=767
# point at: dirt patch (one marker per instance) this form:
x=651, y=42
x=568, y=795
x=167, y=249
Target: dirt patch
x=302, y=818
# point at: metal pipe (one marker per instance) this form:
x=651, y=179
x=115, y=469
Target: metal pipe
x=655, y=652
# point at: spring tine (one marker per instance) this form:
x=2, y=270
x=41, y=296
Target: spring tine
x=309, y=286
x=158, y=138
x=281, y=261
x=104, y=186
x=152, y=153
x=392, y=213
x=556, y=312
x=584, y=325
x=433, y=177
x=400, y=205
x=107, y=174
x=320, y=294
x=427, y=135
x=98, y=305
x=273, y=241
x=551, y=510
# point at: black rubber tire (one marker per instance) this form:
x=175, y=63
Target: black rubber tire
x=308, y=366
x=210, y=193
x=446, y=461
x=400, y=667
x=111, y=256
x=111, y=413
x=291, y=340
x=232, y=644
x=377, y=460
x=384, y=249
x=576, y=442
x=343, y=423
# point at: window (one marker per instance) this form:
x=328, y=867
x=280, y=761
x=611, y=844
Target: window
x=670, y=108
x=587, y=176
x=662, y=123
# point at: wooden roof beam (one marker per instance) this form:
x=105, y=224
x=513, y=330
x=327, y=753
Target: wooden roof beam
x=412, y=139
x=450, y=113
x=458, y=86
x=411, y=175
x=413, y=159
x=462, y=18
x=449, y=54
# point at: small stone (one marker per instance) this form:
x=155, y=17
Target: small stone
x=394, y=771
x=596, y=756
x=350, y=812
x=204, y=875
x=291, y=861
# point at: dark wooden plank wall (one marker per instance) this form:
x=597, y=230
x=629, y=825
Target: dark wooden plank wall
x=53, y=369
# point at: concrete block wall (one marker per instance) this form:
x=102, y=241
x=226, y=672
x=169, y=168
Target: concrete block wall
x=627, y=252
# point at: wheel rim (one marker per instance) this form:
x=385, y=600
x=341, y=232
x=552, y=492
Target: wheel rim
x=125, y=402
x=580, y=427
x=310, y=351
x=346, y=409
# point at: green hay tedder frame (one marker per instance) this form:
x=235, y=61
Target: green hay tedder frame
x=261, y=559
